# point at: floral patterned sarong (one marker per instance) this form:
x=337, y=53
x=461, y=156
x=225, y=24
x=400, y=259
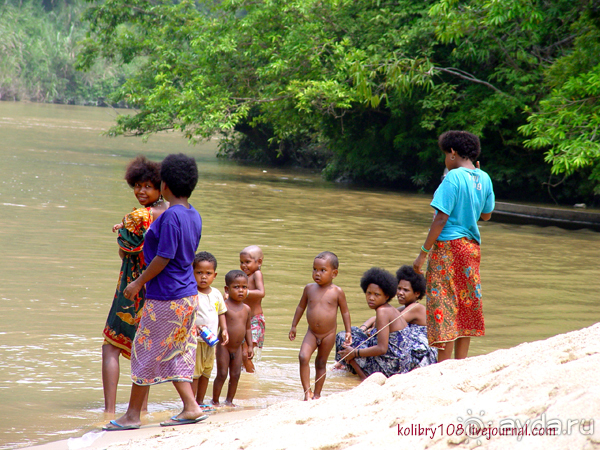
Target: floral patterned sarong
x=407, y=350
x=123, y=316
x=164, y=348
x=454, y=308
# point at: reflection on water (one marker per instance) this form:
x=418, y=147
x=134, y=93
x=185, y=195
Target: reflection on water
x=62, y=189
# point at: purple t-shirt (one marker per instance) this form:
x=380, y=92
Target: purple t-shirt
x=174, y=235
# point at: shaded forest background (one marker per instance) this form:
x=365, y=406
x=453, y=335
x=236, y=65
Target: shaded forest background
x=357, y=89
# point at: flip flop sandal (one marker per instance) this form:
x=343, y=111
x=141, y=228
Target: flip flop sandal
x=119, y=427
x=175, y=421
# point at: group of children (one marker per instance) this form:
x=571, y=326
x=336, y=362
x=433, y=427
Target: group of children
x=240, y=320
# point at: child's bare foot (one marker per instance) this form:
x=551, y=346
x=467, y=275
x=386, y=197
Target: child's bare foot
x=316, y=397
x=215, y=403
x=308, y=395
x=228, y=403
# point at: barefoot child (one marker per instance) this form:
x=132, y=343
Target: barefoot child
x=211, y=315
x=323, y=300
x=251, y=259
x=229, y=356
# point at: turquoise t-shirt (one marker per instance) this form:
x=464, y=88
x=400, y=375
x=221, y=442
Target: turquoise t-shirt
x=464, y=195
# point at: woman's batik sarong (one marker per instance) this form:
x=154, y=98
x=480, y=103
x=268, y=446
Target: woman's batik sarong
x=164, y=348
x=454, y=306
x=407, y=350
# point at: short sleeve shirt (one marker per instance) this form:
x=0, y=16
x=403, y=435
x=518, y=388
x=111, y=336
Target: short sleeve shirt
x=175, y=235
x=464, y=195
x=210, y=307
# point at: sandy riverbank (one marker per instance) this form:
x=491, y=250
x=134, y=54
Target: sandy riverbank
x=545, y=384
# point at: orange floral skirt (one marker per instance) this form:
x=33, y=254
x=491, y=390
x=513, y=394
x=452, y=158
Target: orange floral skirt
x=454, y=308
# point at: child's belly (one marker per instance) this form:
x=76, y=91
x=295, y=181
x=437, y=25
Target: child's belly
x=322, y=321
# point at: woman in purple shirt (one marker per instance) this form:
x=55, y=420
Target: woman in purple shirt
x=164, y=348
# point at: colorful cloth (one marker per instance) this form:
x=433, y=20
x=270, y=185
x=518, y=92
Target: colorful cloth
x=407, y=350
x=164, y=347
x=257, y=326
x=454, y=306
x=124, y=314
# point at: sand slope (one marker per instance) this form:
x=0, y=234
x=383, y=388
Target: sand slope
x=544, y=383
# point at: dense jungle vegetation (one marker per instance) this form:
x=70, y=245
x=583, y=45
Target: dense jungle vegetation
x=362, y=88
x=39, y=42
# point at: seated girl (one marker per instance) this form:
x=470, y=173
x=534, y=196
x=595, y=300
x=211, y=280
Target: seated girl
x=401, y=345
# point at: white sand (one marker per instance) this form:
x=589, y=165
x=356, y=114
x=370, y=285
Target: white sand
x=543, y=383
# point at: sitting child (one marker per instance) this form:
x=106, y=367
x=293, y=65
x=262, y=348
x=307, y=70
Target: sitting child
x=414, y=350
x=322, y=298
x=251, y=259
x=411, y=289
x=210, y=316
x=229, y=356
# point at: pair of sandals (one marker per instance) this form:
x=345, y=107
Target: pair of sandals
x=174, y=421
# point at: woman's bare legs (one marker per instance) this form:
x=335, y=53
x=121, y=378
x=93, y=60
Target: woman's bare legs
x=461, y=349
x=191, y=410
x=134, y=410
x=110, y=376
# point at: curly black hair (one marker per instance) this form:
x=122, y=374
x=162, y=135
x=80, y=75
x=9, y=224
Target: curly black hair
x=233, y=275
x=180, y=173
x=382, y=278
x=330, y=257
x=416, y=280
x=462, y=142
x=141, y=169
x=205, y=256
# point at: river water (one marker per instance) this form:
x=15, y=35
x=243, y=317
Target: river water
x=62, y=189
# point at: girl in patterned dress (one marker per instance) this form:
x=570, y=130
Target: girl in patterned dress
x=454, y=309
x=143, y=176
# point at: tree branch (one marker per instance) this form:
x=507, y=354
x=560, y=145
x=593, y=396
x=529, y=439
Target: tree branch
x=256, y=100
x=467, y=76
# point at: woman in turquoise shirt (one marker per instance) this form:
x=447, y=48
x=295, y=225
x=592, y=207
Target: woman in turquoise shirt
x=454, y=310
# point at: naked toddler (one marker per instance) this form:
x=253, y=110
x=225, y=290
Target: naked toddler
x=237, y=317
x=322, y=298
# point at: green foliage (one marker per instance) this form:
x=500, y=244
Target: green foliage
x=374, y=81
x=566, y=122
x=38, y=48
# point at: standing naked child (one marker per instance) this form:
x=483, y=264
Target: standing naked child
x=229, y=357
x=251, y=259
x=210, y=315
x=323, y=298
